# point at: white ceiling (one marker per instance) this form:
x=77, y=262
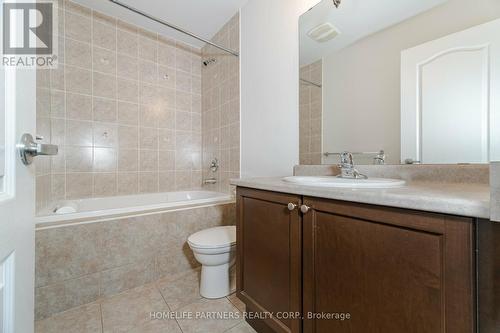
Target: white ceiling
x=355, y=19
x=201, y=17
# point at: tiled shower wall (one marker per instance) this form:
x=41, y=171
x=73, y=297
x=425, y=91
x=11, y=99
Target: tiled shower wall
x=221, y=108
x=310, y=114
x=124, y=106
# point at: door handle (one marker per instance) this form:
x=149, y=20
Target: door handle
x=28, y=149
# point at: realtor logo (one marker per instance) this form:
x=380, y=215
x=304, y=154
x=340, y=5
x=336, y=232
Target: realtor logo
x=28, y=34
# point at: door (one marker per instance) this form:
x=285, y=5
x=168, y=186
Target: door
x=269, y=259
x=375, y=269
x=17, y=202
x=450, y=95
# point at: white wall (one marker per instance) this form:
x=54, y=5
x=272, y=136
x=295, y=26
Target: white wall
x=270, y=86
x=362, y=81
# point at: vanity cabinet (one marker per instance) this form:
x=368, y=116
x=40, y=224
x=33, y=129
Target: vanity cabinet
x=390, y=270
x=269, y=258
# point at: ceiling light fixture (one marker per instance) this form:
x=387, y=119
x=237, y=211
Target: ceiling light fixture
x=337, y=3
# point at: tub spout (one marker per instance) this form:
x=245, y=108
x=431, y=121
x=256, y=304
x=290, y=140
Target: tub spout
x=210, y=181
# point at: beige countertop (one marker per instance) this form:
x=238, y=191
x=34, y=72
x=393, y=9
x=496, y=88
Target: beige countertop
x=463, y=199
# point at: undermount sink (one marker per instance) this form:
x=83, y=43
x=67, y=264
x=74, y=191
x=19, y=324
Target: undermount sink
x=333, y=181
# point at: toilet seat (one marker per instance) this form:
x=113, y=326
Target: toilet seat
x=213, y=238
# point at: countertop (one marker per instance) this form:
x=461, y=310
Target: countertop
x=462, y=199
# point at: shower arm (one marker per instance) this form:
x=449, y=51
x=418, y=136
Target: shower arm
x=172, y=26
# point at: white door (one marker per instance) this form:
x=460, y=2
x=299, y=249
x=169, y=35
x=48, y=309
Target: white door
x=17, y=202
x=450, y=94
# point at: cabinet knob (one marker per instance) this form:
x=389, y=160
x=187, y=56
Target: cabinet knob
x=304, y=209
x=291, y=206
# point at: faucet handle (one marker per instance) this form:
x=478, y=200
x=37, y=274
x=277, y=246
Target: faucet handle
x=346, y=158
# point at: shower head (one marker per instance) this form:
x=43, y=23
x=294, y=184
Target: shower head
x=209, y=61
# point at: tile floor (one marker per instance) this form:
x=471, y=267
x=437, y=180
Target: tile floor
x=131, y=311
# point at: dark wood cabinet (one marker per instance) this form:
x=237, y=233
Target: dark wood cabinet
x=269, y=272
x=390, y=270
x=365, y=268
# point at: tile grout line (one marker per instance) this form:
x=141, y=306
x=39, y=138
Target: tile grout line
x=166, y=303
x=102, y=317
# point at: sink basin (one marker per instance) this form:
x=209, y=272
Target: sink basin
x=332, y=181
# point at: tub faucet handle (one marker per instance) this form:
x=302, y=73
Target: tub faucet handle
x=214, y=165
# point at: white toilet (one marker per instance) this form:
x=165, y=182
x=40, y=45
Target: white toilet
x=214, y=249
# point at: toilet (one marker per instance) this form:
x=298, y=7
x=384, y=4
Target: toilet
x=214, y=249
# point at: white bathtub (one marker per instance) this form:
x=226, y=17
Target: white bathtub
x=92, y=210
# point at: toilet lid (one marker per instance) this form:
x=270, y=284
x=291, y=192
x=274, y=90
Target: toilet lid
x=214, y=237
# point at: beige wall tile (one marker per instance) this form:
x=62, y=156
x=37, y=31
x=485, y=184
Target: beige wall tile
x=167, y=181
x=57, y=80
x=166, y=160
x=111, y=73
x=148, y=160
x=166, y=118
x=148, y=47
x=75, y=8
x=78, y=133
x=66, y=295
x=166, y=53
x=128, y=113
x=79, y=159
x=104, y=35
x=148, y=72
x=78, y=80
x=148, y=115
x=127, y=67
x=104, y=85
x=127, y=43
x=148, y=138
x=127, y=91
x=79, y=185
x=77, y=27
x=127, y=277
x=104, y=184
x=104, y=109
x=104, y=60
x=78, y=106
x=166, y=139
x=78, y=54
x=66, y=253
x=128, y=160
x=148, y=182
x=104, y=160
x=105, y=135
x=128, y=137
x=127, y=183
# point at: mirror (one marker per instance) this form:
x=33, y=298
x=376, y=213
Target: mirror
x=414, y=81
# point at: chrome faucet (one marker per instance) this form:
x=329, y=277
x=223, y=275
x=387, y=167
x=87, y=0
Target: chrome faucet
x=379, y=159
x=347, y=169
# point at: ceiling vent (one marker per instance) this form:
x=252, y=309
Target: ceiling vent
x=323, y=32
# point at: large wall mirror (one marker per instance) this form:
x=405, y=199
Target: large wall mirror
x=414, y=81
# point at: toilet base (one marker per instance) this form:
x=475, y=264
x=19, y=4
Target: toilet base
x=215, y=281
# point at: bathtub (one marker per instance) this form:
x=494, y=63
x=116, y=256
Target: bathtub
x=95, y=209
x=110, y=245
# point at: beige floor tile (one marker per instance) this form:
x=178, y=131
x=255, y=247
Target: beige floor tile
x=213, y=308
x=242, y=328
x=157, y=326
x=84, y=319
x=181, y=292
x=236, y=302
x=131, y=312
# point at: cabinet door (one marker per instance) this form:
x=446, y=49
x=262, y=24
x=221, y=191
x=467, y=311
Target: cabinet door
x=390, y=270
x=269, y=258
